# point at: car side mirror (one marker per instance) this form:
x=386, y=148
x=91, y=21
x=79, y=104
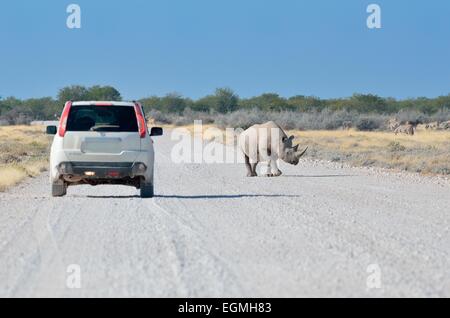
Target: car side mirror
x=156, y=131
x=51, y=130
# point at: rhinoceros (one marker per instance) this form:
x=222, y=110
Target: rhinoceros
x=268, y=143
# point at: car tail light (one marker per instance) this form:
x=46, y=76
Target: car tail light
x=63, y=120
x=113, y=174
x=141, y=120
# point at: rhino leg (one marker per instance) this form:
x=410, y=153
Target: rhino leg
x=268, y=170
x=275, y=171
x=251, y=169
x=272, y=169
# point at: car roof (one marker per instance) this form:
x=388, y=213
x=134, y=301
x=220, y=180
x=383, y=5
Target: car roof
x=103, y=103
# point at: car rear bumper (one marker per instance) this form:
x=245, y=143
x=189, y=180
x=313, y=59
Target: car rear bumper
x=102, y=170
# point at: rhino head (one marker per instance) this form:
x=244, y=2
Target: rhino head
x=289, y=153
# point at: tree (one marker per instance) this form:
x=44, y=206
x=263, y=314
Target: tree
x=368, y=103
x=80, y=93
x=103, y=93
x=223, y=101
x=226, y=100
x=41, y=108
x=173, y=103
x=205, y=104
x=151, y=103
x=73, y=93
x=306, y=103
x=267, y=102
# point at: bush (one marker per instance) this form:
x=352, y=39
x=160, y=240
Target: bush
x=395, y=146
x=160, y=117
x=369, y=123
x=441, y=116
x=412, y=116
x=293, y=120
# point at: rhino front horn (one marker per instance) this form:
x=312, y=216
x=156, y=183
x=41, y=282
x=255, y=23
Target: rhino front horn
x=301, y=154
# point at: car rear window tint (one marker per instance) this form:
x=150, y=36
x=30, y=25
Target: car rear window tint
x=102, y=118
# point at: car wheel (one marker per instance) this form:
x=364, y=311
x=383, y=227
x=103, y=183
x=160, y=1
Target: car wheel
x=147, y=190
x=59, y=189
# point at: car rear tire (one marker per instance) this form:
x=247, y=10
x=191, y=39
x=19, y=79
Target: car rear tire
x=147, y=190
x=59, y=189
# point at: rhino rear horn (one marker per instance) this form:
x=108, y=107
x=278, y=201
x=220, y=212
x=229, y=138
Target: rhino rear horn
x=301, y=154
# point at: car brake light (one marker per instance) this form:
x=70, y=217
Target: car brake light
x=63, y=120
x=113, y=174
x=141, y=120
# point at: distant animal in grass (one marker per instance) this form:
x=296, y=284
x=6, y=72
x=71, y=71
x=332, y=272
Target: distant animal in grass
x=408, y=128
x=347, y=125
x=445, y=125
x=393, y=124
x=432, y=126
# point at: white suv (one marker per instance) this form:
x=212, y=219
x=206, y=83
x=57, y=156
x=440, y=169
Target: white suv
x=102, y=143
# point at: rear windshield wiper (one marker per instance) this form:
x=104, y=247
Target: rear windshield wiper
x=105, y=128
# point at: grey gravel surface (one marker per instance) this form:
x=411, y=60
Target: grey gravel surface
x=319, y=230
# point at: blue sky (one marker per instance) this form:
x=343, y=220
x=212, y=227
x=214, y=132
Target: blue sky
x=290, y=47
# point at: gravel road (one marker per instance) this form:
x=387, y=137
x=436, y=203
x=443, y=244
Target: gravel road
x=319, y=230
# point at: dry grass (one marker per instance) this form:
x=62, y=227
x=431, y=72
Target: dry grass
x=24, y=150
x=427, y=152
x=209, y=132
x=23, y=153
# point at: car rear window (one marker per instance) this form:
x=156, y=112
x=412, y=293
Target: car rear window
x=102, y=118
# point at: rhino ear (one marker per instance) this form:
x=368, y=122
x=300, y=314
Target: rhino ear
x=286, y=139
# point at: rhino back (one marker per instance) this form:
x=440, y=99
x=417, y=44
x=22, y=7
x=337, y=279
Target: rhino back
x=257, y=140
